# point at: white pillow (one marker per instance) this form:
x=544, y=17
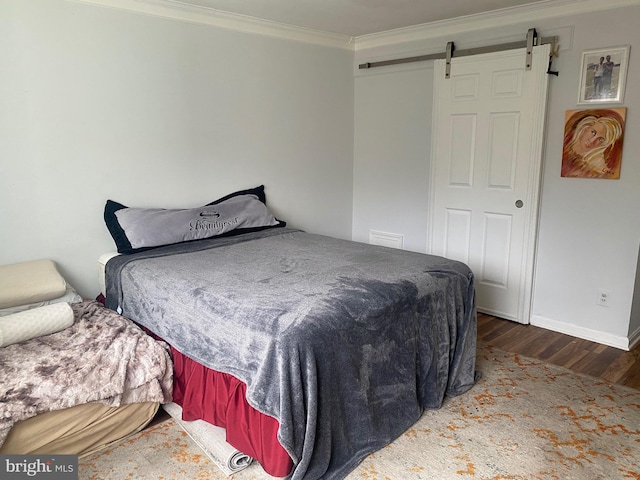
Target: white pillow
x=30, y=282
x=35, y=322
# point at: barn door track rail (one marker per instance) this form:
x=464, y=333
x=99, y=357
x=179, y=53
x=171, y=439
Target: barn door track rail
x=532, y=40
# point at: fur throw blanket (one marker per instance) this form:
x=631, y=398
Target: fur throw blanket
x=103, y=357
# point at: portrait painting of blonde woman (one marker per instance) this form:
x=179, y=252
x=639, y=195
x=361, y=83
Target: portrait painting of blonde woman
x=593, y=143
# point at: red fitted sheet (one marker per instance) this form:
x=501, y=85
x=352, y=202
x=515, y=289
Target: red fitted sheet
x=220, y=399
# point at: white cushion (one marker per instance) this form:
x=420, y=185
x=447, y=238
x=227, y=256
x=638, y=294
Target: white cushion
x=35, y=322
x=30, y=282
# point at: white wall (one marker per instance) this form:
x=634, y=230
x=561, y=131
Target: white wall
x=99, y=103
x=392, y=144
x=589, y=229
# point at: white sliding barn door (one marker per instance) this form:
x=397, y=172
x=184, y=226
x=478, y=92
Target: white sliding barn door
x=485, y=176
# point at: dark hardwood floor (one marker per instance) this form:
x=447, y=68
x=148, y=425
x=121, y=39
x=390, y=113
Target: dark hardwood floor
x=582, y=356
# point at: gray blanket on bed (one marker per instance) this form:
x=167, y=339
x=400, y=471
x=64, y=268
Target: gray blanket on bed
x=343, y=343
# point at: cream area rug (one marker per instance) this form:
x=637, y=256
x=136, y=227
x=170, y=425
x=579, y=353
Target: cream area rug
x=524, y=420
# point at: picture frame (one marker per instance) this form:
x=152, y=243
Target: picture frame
x=592, y=146
x=602, y=75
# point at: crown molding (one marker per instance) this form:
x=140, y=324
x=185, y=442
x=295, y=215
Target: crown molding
x=544, y=9
x=180, y=11
x=526, y=14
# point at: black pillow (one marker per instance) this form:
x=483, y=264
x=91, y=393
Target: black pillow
x=257, y=191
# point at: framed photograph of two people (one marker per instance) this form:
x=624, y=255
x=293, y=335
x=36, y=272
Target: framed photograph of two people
x=603, y=74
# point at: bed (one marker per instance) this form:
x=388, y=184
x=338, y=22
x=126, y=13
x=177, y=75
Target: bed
x=321, y=350
x=82, y=388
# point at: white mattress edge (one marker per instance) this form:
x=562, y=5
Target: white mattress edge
x=102, y=262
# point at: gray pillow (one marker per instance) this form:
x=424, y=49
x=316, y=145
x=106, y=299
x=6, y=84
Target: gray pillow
x=153, y=227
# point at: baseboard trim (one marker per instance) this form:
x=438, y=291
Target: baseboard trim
x=604, y=338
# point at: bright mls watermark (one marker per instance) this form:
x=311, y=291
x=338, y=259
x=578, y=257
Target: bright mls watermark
x=49, y=467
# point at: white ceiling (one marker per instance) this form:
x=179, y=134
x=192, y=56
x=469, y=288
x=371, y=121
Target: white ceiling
x=355, y=18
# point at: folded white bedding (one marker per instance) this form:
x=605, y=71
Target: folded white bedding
x=30, y=282
x=35, y=322
x=70, y=296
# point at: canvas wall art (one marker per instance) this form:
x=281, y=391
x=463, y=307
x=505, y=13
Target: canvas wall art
x=592, y=145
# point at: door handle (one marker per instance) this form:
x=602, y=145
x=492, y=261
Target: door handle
x=519, y=203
